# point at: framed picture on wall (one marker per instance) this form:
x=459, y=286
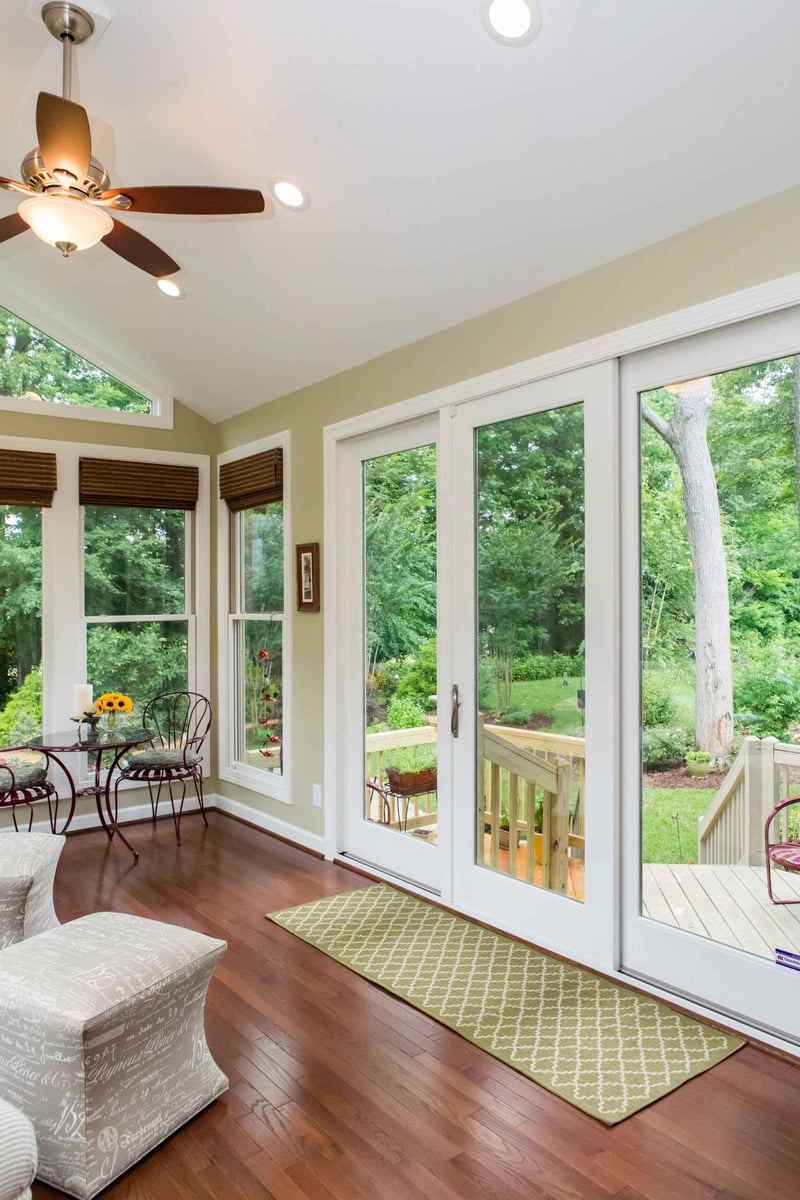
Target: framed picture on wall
x=307, y=568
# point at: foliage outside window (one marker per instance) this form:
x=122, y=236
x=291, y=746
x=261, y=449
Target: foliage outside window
x=20, y=623
x=33, y=366
x=135, y=600
x=257, y=619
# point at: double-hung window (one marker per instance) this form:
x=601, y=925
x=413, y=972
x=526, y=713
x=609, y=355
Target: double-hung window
x=255, y=589
x=27, y=485
x=137, y=575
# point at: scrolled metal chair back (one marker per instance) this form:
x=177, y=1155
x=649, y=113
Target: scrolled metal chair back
x=178, y=719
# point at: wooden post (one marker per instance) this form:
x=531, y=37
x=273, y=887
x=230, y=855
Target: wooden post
x=559, y=832
x=530, y=819
x=480, y=792
x=759, y=795
x=513, y=837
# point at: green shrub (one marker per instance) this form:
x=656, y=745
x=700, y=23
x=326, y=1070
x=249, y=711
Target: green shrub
x=521, y=717
x=21, y=718
x=698, y=756
x=528, y=668
x=418, y=677
x=658, y=705
x=405, y=713
x=766, y=704
x=663, y=747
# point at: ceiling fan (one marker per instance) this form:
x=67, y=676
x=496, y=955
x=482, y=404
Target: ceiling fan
x=68, y=201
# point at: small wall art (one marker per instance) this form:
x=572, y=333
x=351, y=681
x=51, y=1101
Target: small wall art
x=307, y=569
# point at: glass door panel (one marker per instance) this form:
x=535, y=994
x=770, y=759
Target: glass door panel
x=388, y=501
x=400, y=662
x=530, y=560
x=534, y=635
x=714, y=558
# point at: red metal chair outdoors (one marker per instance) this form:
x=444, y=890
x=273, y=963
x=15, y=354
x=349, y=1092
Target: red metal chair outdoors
x=180, y=722
x=784, y=853
x=23, y=781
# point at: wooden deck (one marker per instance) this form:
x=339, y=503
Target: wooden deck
x=727, y=904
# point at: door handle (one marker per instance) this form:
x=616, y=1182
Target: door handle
x=455, y=705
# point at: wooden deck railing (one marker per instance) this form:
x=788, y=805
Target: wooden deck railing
x=732, y=827
x=525, y=773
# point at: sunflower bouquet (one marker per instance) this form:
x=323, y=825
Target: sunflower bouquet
x=111, y=704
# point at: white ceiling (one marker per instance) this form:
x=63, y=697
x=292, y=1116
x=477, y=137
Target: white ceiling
x=448, y=174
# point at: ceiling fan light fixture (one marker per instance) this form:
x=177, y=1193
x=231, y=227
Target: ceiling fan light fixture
x=289, y=194
x=169, y=287
x=65, y=221
x=511, y=22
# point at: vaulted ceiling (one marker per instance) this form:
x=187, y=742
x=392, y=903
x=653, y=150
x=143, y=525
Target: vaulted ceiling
x=448, y=174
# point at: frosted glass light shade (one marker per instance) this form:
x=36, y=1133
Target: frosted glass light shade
x=66, y=219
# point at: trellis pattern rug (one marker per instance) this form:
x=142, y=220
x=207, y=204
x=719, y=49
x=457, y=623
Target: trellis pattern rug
x=604, y=1048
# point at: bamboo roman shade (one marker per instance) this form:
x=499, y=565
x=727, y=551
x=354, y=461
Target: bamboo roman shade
x=28, y=478
x=251, y=482
x=138, y=484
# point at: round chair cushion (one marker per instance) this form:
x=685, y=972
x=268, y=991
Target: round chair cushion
x=26, y=775
x=786, y=854
x=162, y=759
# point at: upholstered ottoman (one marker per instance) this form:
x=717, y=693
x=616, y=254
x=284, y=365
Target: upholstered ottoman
x=17, y=1154
x=37, y=855
x=102, y=1041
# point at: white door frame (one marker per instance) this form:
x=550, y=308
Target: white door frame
x=584, y=931
x=749, y=988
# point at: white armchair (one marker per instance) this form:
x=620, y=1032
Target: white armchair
x=31, y=856
x=18, y=1156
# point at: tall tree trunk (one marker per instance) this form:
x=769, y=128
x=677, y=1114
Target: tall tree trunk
x=686, y=435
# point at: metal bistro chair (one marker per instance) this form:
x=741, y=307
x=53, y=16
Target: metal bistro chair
x=24, y=783
x=180, y=722
x=785, y=853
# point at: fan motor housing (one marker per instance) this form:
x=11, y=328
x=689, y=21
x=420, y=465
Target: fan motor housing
x=36, y=175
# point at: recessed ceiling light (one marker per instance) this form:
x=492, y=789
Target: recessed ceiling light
x=289, y=194
x=169, y=287
x=512, y=22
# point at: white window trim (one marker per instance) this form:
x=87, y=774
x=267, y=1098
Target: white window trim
x=161, y=416
x=263, y=782
x=63, y=647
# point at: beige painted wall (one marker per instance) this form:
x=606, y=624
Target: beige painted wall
x=190, y=432
x=750, y=246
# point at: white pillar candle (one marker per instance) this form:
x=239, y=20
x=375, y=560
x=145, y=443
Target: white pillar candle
x=82, y=700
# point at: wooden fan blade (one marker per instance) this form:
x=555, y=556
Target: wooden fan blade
x=139, y=251
x=192, y=201
x=11, y=226
x=65, y=140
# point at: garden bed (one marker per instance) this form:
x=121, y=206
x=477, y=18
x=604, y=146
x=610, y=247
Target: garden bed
x=679, y=777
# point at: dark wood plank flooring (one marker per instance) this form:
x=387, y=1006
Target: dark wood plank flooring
x=342, y=1092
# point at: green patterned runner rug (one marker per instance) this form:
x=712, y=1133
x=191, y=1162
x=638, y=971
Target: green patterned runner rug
x=602, y=1047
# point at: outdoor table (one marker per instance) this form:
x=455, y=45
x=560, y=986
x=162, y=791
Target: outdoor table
x=94, y=743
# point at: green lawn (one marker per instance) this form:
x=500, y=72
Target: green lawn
x=664, y=839
x=547, y=696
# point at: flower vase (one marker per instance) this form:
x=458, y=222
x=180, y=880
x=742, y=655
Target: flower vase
x=112, y=720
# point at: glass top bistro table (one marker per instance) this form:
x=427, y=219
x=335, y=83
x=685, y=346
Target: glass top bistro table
x=95, y=743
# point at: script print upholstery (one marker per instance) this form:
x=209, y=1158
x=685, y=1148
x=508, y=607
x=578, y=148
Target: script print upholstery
x=13, y=902
x=102, y=1042
x=34, y=854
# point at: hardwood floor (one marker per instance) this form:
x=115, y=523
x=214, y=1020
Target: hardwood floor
x=342, y=1092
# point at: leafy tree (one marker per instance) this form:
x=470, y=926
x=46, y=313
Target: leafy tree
x=20, y=596
x=35, y=365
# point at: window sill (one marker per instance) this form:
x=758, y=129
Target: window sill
x=256, y=781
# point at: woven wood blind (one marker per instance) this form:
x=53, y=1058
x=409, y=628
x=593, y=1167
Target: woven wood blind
x=251, y=482
x=28, y=478
x=138, y=484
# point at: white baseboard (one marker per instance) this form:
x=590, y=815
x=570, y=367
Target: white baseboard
x=262, y=820
x=136, y=812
